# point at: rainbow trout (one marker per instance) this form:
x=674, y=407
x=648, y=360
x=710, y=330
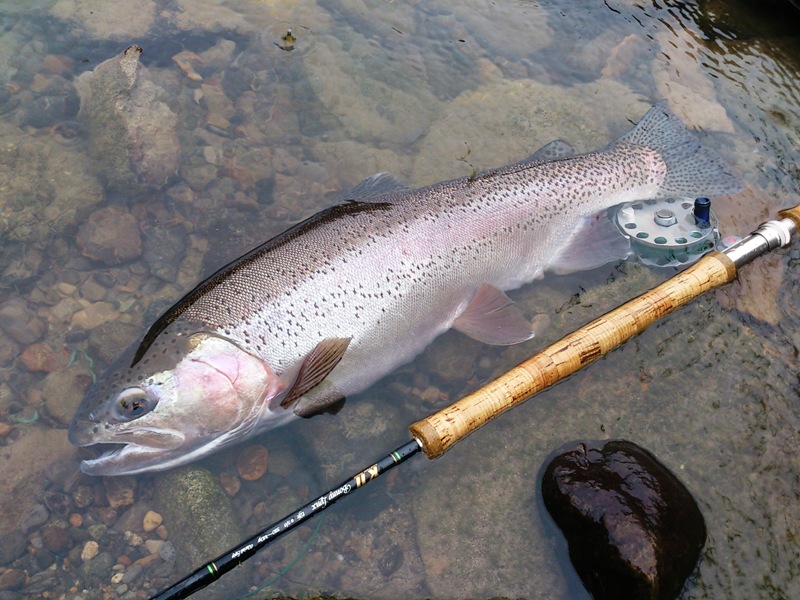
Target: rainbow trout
x=330, y=306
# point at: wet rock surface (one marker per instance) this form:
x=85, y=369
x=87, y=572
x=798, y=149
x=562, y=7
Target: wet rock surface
x=634, y=531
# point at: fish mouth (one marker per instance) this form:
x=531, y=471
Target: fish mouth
x=144, y=450
x=120, y=459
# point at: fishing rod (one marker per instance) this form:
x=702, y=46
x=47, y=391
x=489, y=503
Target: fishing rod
x=437, y=433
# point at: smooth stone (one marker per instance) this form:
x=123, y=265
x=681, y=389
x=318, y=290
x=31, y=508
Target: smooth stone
x=20, y=322
x=151, y=520
x=62, y=392
x=202, y=520
x=13, y=579
x=56, y=539
x=252, y=462
x=111, y=235
x=154, y=546
x=633, y=529
x=37, y=515
x=132, y=573
x=12, y=546
x=99, y=566
x=90, y=550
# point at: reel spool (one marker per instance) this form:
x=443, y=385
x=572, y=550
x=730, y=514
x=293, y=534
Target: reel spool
x=669, y=231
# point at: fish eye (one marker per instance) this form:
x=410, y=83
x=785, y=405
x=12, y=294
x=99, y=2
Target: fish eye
x=133, y=403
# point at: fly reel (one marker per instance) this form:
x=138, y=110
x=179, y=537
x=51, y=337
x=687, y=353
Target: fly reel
x=669, y=231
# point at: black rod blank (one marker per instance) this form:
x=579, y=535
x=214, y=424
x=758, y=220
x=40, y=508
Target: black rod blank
x=231, y=559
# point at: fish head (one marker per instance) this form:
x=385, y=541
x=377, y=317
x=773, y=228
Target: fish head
x=191, y=393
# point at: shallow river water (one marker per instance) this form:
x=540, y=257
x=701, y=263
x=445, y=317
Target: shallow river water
x=252, y=115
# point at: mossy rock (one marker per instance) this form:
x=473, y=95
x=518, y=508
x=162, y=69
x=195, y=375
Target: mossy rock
x=202, y=524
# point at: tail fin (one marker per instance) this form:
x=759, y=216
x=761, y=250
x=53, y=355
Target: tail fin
x=692, y=169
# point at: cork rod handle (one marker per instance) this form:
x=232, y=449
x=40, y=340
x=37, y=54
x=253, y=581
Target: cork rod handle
x=438, y=432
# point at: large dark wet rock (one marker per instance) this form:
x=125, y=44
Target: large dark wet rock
x=634, y=531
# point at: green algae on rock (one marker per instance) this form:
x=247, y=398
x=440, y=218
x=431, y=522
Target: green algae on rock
x=202, y=523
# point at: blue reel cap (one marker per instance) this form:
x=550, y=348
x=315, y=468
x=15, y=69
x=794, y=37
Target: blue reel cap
x=702, y=212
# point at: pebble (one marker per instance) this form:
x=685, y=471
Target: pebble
x=90, y=550
x=188, y=61
x=131, y=573
x=120, y=491
x=107, y=515
x=40, y=357
x=146, y=560
x=57, y=64
x=76, y=520
x=56, y=539
x=36, y=516
x=282, y=463
x=20, y=322
x=162, y=532
x=13, y=579
x=151, y=521
x=56, y=502
x=167, y=552
x=67, y=289
x=82, y=496
x=93, y=314
x=230, y=483
x=99, y=566
x=117, y=578
x=252, y=462
x=62, y=392
x=154, y=546
x=133, y=539
x=111, y=236
x=40, y=583
x=93, y=291
x=97, y=531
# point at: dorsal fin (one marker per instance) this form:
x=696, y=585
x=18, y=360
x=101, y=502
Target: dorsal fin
x=372, y=187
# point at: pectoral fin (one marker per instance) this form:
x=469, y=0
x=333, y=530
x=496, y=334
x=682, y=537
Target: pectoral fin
x=491, y=317
x=314, y=368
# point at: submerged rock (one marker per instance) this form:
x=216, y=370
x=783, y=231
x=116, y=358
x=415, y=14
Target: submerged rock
x=634, y=531
x=201, y=521
x=111, y=236
x=133, y=133
x=20, y=322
